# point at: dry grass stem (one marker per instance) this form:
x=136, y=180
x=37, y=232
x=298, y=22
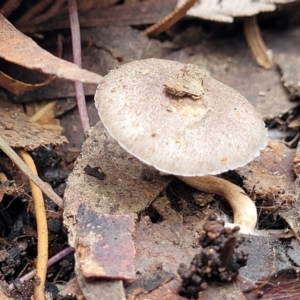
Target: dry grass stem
x=42, y=230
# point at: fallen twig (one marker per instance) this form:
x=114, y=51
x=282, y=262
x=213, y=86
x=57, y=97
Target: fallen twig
x=51, y=261
x=46, y=188
x=76, y=45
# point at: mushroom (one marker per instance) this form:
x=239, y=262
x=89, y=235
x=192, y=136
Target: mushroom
x=246, y=10
x=181, y=121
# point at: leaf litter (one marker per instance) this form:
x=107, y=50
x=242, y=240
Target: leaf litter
x=20, y=49
x=167, y=229
x=19, y=132
x=162, y=235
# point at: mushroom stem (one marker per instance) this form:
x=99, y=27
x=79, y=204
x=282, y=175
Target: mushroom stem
x=244, y=209
x=256, y=43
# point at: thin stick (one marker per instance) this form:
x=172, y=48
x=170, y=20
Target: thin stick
x=76, y=45
x=51, y=262
x=29, y=174
x=42, y=230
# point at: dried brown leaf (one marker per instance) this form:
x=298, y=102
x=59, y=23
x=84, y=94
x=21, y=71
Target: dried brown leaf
x=18, y=87
x=271, y=176
x=19, y=132
x=101, y=238
x=20, y=49
x=138, y=13
x=284, y=284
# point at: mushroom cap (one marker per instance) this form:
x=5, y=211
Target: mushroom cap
x=227, y=10
x=179, y=135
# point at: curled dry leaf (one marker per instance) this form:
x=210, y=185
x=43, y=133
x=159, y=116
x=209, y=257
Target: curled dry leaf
x=18, y=87
x=21, y=50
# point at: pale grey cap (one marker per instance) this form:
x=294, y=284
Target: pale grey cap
x=178, y=135
x=227, y=10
